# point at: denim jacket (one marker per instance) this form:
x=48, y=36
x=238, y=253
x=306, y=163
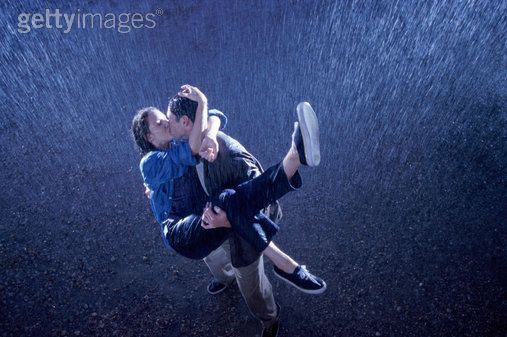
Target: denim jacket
x=160, y=168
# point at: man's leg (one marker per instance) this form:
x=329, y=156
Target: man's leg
x=219, y=263
x=252, y=283
x=257, y=292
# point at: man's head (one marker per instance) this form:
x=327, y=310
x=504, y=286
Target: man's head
x=181, y=115
x=151, y=130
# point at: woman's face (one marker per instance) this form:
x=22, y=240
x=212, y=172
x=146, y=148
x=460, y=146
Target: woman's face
x=160, y=131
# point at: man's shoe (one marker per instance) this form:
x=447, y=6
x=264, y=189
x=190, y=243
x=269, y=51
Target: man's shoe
x=215, y=287
x=272, y=331
x=302, y=279
x=306, y=135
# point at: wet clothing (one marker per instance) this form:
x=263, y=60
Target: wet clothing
x=233, y=166
x=242, y=205
x=252, y=283
x=160, y=168
x=235, y=259
x=188, y=195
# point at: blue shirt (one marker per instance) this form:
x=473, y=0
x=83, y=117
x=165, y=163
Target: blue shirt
x=160, y=168
x=188, y=195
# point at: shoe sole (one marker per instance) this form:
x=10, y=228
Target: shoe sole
x=217, y=292
x=306, y=291
x=309, y=124
x=222, y=290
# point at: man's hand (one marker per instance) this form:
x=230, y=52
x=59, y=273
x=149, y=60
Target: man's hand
x=192, y=93
x=214, y=217
x=209, y=148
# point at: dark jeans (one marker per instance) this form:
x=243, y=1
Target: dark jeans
x=242, y=205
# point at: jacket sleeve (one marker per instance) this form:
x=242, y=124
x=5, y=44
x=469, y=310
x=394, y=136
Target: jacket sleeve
x=233, y=166
x=161, y=166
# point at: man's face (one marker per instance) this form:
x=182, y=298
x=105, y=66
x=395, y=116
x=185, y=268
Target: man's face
x=179, y=129
x=160, y=133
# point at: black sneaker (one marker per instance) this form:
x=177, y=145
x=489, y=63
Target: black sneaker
x=272, y=331
x=215, y=287
x=306, y=135
x=302, y=279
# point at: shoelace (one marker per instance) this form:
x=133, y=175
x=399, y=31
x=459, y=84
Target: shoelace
x=305, y=275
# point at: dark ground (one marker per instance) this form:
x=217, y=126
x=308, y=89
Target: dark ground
x=405, y=218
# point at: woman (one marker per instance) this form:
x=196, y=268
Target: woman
x=166, y=160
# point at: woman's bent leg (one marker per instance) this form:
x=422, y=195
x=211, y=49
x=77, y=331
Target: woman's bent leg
x=243, y=204
x=280, y=259
x=249, y=198
x=258, y=231
x=254, y=195
x=188, y=238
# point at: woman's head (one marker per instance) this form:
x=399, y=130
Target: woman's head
x=151, y=130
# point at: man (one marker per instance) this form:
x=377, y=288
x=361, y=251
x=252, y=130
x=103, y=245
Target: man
x=233, y=165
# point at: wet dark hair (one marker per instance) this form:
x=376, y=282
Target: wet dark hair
x=141, y=128
x=182, y=106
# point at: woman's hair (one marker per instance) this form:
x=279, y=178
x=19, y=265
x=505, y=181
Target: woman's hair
x=141, y=128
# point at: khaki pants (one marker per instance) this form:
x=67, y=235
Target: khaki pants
x=252, y=282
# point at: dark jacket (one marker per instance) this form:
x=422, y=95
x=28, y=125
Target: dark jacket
x=233, y=166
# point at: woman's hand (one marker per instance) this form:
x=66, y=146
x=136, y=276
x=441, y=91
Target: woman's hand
x=192, y=93
x=209, y=148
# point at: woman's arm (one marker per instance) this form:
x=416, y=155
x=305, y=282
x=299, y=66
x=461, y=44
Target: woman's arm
x=209, y=146
x=201, y=115
x=213, y=126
